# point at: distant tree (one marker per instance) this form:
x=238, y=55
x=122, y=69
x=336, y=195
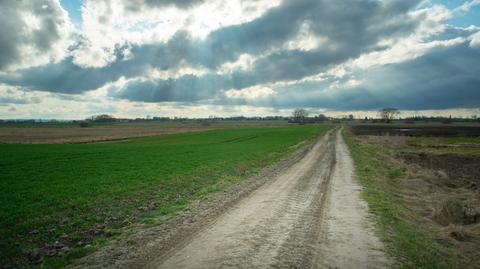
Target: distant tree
x=104, y=118
x=322, y=117
x=299, y=115
x=351, y=117
x=388, y=114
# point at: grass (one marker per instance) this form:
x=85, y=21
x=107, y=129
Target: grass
x=444, y=140
x=413, y=245
x=82, y=194
x=440, y=145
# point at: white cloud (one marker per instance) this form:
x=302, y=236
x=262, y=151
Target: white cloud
x=475, y=40
x=89, y=56
x=404, y=50
x=176, y=73
x=306, y=39
x=34, y=33
x=466, y=6
x=244, y=62
x=249, y=93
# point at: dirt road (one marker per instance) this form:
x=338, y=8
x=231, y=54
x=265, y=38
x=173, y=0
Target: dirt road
x=310, y=216
x=304, y=212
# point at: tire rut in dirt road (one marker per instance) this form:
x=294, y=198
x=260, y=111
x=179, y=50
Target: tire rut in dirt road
x=287, y=223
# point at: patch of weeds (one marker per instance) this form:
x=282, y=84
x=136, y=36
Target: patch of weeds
x=413, y=245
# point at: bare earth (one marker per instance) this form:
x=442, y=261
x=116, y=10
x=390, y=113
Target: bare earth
x=304, y=213
x=75, y=134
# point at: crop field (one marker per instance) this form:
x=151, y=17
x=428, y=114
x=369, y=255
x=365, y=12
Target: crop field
x=423, y=188
x=58, y=133
x=59, y=202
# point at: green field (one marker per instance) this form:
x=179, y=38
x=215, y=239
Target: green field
x=82, y=193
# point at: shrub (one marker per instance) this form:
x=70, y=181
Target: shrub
x=84, y=124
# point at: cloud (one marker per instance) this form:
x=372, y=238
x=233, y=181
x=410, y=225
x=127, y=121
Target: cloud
x=139, y=5
x=249, y=93
x=108, y=24
x=350, y=30
x=475, y=40
x=338, y=55
x=466, y=6
x=33, y=33
x=10, y=95
x=446, y=77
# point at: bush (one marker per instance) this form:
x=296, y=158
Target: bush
x=84, y=124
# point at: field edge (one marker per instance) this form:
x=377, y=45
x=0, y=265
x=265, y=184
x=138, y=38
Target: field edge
x=410, y=244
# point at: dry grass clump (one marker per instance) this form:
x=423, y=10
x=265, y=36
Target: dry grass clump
x=458, y=232
x=456, y=210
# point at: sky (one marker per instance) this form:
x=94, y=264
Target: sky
x=70, y=59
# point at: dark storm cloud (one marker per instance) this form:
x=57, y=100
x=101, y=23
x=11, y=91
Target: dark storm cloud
x=14, y=32
x=187, y=88
x=64, y=77
x=67, y=77
x=444, y=78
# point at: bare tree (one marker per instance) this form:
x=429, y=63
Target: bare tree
x=299, y=115
x=388, y=114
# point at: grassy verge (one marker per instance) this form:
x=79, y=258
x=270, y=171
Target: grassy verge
x=412, y=244
x=59, y=202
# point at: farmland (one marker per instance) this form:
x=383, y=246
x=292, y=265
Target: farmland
x=69, y=132
x=422, y=185
x=68, y=199
x=60, y=201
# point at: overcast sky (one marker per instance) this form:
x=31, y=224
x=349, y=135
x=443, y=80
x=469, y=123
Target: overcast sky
x=70, y=59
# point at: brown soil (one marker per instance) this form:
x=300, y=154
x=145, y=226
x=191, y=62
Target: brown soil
x=74, y=134
x=461, y=170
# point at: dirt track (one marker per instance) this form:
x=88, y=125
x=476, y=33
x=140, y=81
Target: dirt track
x=305, y=213
x=309, y=216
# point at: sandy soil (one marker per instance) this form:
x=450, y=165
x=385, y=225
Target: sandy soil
x=348, y=239
x=302, y=213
